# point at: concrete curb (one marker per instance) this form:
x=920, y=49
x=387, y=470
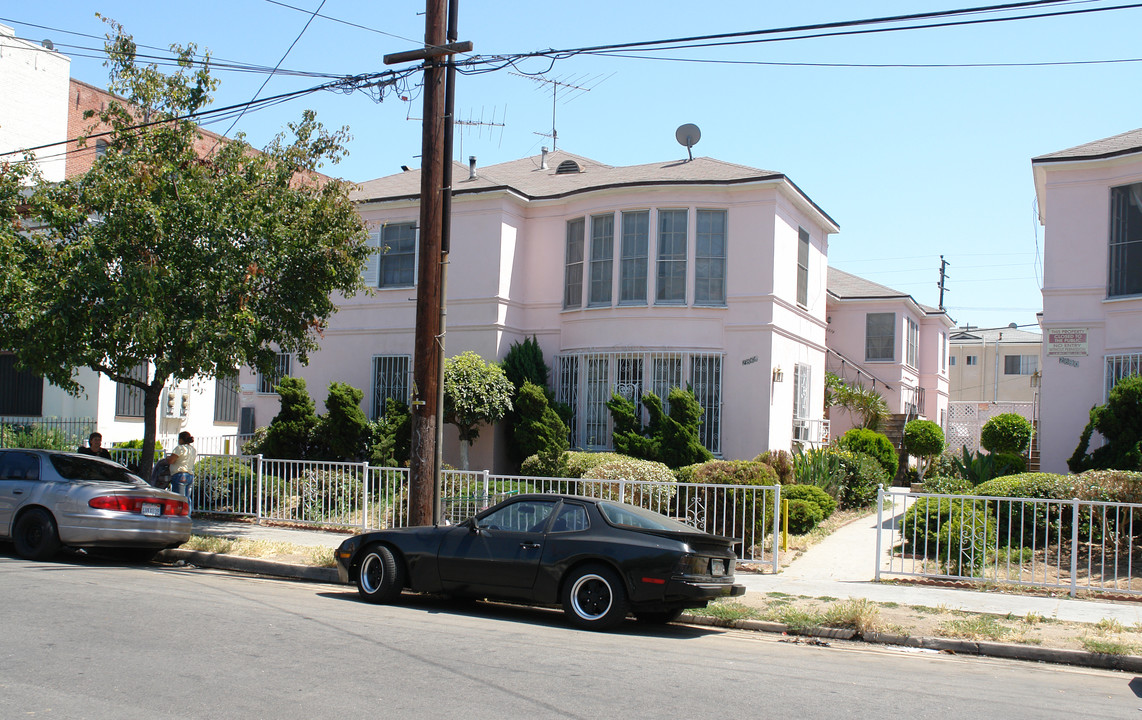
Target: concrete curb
x=1127, y=663
x=254, y=566
x=1030, y=653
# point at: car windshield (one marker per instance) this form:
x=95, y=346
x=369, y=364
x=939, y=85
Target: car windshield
x=632, y=516
x=93, y=469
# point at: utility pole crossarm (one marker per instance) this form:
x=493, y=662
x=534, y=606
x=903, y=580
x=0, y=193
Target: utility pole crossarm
x=425, y=53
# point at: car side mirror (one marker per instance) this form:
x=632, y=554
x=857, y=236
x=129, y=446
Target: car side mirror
x=473, y=527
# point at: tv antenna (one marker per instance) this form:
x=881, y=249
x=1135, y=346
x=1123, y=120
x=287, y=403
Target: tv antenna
x=688, y=135
x=477, y=124
x=573, y=87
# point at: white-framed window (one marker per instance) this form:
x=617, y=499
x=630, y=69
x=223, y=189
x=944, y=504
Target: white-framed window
x=670, y=285
x=398, y=255
x=573, y=265
x=802, y=267
x=1020, y=364
x=602, y=259
x=913, y=342
x=952, y=361
x=226, y=397
x=971, y=360
x=282, y=368
x=1125, y=261
x=710, y=258
x=391, y=374
x=129, y=401
x=801, y=383
x=634, y=257
x=880, y=336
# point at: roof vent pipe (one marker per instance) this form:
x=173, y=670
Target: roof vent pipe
x=543, y=159
x=471, y=167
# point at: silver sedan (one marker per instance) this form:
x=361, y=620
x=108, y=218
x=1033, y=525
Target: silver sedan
x=51, y=499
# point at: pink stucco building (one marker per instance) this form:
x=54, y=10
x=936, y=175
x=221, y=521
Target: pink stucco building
x=1090, y=204
x=632, y=279
x=883, y=339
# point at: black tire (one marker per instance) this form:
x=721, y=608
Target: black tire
x=35, y=535
x=658, y=617
x=594, y=598
x=380, y=575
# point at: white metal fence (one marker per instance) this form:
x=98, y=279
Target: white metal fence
x=1065, y=544
x=359, y=495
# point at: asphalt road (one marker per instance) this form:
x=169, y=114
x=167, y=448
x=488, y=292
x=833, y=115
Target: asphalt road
x=84, y=638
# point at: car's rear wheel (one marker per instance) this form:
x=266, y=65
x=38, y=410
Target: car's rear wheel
x=657, y=617
x=380, y=575
x=35, y=535
x=594, y=598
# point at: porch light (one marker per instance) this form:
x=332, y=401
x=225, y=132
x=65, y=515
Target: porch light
x=1035, y=378
x=778, y=376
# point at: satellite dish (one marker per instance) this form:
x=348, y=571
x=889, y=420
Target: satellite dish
x=48, y=45
x=688, y=135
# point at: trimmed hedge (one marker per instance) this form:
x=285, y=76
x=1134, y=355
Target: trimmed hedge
x=953, y=532
x=803, y=516
x=863, y=476
x=1006, y=433
x=813, y=494
x=873, y=443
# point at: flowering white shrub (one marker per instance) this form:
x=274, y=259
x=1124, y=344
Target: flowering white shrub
x=650, y=484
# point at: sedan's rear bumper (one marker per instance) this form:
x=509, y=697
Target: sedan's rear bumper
x=124, y=530
x=689, y=590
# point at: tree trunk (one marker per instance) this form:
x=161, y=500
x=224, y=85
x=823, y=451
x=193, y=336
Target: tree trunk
x=152, y=396
x=464, y=445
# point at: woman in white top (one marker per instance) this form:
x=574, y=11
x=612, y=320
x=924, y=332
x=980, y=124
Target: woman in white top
x=182, y=465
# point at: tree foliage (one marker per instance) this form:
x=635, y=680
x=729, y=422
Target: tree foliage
x=343, y=432
x=873, y=443
x=392, y=436
x=1120, y=422
x=539, y=430
x=475, y=393
x=925, y=440
x=670, y=438
x=864, y=404
x=291, y=431
x=192, y=254
x=1006, y=433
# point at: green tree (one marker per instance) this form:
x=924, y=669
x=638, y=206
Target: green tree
x=190, y=255
x=291, y=432
x=1120, y=422
x=475, y=393
x=671, y=438
x=392, y=436
x=923, y=439
x=539, y=430
x=342, y=433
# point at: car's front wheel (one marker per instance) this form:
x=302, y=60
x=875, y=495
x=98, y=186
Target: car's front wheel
x=380, y=575
x=35, y=535
x=594, y=598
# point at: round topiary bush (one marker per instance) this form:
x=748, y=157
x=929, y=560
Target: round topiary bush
x=803, y=516
x=873, y=443
x=1009, y=464
x=925, y=440
x=1006, y=433
x=646, y=483
x=813, y=494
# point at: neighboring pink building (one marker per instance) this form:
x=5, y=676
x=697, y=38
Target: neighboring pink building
x=883, y=339
x=1090, y=204
x=633, y=279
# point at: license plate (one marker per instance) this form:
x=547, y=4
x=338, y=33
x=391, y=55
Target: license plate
x=152, y=509
x=717, y=568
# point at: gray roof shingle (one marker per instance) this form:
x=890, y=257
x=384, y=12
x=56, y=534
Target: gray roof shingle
x=1122, y=144
x=846, y=286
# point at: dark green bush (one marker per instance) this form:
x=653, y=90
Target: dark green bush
x=343, y=433
x=34, y=436
x=863, y=475
x=954, y=532
x=391, y=436
x=781, y=462
x=1008, y=464
x=1030, y=523
x=671, y=438
x=803, y=515
x=1006, y=433
x=942, y=485
x=812, y=494
x=290, y=432
x=538, y=429
x=875, y=444
x=924, y=440
x=1120, y=422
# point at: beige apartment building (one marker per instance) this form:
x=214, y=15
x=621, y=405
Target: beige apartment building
x=993, y=365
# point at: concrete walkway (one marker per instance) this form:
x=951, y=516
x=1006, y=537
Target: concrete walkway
x=841, y=566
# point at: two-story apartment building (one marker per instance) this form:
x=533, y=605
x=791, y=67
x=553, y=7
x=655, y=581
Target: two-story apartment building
x=993, y=365
x=1090, y=204
x=881, y=338
x=696, y=273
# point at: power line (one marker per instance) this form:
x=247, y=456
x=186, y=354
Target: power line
x=268, y=77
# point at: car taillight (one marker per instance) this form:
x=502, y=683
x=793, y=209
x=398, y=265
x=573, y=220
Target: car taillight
x=135, y=505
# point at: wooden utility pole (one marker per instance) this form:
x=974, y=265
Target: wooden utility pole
x=427, y=356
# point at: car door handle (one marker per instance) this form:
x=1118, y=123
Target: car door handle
x=529, y=545
x=17, y=492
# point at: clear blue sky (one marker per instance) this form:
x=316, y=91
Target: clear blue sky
x=912, y=162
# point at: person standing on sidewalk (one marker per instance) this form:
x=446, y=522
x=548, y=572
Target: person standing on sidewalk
x=182, y=465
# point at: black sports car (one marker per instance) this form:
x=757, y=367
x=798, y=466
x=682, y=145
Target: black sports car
x=600, y=559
